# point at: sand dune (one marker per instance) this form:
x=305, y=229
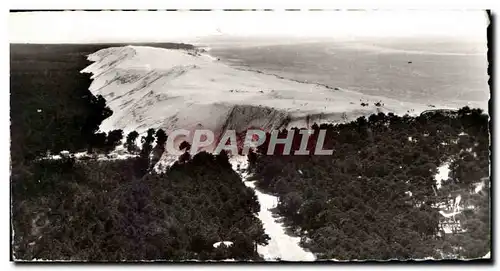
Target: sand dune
x=150, y=87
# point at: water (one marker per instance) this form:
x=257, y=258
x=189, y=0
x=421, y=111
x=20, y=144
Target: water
x=452, y=73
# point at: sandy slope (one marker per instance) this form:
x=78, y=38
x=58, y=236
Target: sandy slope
x=150, y=87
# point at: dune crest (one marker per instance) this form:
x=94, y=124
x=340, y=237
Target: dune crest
x=149, y=87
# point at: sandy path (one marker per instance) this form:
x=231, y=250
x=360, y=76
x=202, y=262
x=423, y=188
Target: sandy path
x=281, y=246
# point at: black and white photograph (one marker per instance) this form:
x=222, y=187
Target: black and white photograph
x=337, y=136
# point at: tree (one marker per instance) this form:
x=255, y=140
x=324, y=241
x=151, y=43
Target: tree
x=97, y=141
x=185, y=146
x=252, y=158
x=98, y=112
x=291, y=203
x=184, y=158
x=161, y=137
x=144, y=160
x=223, y=159
x=146, y=143
x=114, y=139
x=130, y=142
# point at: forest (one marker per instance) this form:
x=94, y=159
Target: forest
x=51, y=106
x=106, y=211
x=353, y=204
x=376, y=196
x=86, y=209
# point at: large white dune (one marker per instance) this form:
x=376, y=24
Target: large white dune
x=149, y=87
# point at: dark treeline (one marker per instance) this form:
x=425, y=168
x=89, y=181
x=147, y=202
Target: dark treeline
x=108, y=210
x=354, y=204
x=113, y=209
x=51, y=106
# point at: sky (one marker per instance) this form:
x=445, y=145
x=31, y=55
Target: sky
x=182, y=26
